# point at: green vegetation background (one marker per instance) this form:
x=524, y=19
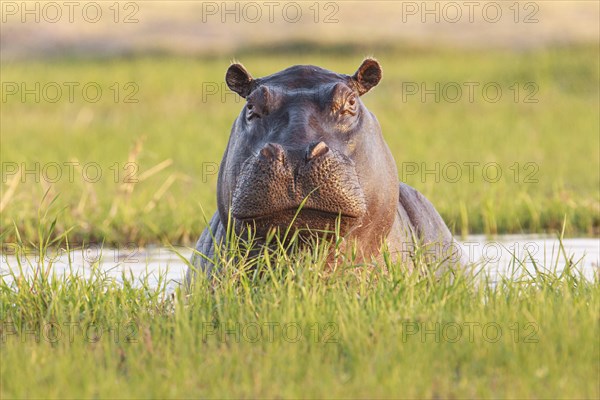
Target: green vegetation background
x=182, y=130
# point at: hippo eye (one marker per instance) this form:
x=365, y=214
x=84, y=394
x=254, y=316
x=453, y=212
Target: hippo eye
x=349, y=106
x=251, y=112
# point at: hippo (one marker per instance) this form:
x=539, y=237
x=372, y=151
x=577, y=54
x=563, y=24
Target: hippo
x=306, y=152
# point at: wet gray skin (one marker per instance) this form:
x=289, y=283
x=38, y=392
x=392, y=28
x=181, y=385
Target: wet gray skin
x=305, y=135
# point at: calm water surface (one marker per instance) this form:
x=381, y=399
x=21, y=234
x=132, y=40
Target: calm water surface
x=495, y=256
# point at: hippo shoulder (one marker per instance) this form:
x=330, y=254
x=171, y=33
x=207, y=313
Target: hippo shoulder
x=424, y=218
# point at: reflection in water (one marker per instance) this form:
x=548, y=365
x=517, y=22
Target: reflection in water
x=496, y=257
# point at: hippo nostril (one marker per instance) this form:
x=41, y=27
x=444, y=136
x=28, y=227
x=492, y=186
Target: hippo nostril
x=273, y=152
x=317, y=150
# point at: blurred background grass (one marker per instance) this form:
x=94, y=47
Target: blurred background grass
x=176, y=132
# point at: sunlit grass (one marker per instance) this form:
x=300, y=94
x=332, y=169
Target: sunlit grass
x=283, y=323
x=288, y=325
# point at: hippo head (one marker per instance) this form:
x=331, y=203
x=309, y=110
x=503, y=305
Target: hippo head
x=304, y=137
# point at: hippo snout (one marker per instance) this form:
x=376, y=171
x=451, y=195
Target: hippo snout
x=276, y=152
x=274, y=183
x=273, y=152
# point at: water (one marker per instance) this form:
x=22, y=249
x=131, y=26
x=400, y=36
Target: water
x=143, y=264
x=494, y=255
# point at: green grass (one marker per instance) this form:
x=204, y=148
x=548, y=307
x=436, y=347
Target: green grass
x=364, y=333
x=173, y=128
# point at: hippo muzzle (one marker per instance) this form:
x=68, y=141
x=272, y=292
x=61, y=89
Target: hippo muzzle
x=307, y=188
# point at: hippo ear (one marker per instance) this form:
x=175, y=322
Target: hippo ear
x=239, y=80
x=367, y=76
